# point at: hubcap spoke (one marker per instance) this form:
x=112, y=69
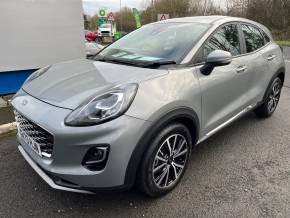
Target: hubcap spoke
x=159, y=167
x=161, y=159
x=167, y=175
x=180, y=147
x=175, y=171
x=169, y=147
x=180, y=153
x=161, y=177
x=174, y=143
x=177, y=165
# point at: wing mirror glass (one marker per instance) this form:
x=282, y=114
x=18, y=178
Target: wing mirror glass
x=215, y=59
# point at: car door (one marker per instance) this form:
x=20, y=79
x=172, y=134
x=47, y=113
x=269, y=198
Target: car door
x=224, y=91
x=260, y=54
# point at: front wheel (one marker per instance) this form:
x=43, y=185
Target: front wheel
x=272, y=99
x=165, y=160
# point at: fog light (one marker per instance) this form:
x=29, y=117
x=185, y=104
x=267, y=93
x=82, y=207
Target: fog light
x=96, y=158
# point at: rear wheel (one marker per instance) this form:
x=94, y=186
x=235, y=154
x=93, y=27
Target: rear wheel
x=272, y=99
x=165, y=161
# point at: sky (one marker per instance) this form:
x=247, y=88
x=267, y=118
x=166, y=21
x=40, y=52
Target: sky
x=91, y=6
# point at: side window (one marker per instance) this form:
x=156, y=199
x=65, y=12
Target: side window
x=226, y=38
x=266, y=37
x=253, y=38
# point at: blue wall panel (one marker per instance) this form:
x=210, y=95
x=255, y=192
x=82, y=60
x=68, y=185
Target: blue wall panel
x=10, y=82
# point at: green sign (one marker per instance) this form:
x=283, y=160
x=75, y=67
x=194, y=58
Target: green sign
x=117, y=35
x=137, y=17
x=102, y=13
x=102, y=20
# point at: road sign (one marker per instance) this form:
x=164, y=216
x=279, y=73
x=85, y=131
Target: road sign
x=102, y=13
x=111, y=17
x=101, y=20
x=163, y=17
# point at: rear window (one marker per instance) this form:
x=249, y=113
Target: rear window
x=253, y=38
x=266, y=37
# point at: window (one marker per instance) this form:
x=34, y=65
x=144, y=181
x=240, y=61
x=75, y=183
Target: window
x=156, y=42
x=226, y=38
x=253, y=38
x=266, y=37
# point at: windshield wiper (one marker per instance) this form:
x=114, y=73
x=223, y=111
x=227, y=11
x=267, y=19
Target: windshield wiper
x=156, y=64
x=134, y=62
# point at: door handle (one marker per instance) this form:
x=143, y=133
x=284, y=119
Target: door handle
x=241, y=69
x=271, y=57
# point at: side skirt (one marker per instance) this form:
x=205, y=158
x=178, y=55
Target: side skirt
x=223, y=125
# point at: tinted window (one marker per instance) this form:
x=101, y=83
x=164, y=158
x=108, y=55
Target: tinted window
x=226, y=38
x=266, y=37
x=253, y=38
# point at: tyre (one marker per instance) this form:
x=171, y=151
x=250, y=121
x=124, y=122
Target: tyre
x=272, y=99
x=165, y=161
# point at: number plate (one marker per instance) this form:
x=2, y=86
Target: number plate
x=28, y=140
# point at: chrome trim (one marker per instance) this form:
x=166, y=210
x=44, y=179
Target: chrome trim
x=105, y=150
x=46, y=178
x=215, y=130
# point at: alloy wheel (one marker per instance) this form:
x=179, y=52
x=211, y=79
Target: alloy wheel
x=274, y=97
x=170, y=161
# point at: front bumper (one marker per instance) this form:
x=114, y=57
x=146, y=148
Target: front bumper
x=45, y=177
x=72, y=143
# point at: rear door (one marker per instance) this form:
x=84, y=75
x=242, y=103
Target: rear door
x=224, y=91
x=261, y=56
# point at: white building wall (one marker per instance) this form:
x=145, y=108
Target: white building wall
x=36, y=33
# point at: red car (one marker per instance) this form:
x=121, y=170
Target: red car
x=90, y=36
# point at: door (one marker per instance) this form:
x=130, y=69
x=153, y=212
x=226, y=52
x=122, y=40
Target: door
x=261, y=55
x=224, y=91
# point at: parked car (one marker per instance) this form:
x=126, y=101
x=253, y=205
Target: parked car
x=92, y=48
x=135, y=113
x=90, y=36
x=105, y=30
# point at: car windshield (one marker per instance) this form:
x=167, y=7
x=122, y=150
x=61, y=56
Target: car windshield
x=161, y=43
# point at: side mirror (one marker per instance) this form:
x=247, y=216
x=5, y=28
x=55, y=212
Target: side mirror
x=214, y=59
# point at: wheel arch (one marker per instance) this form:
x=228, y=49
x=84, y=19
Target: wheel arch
x=183, y=115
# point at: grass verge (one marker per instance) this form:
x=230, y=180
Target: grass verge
x=284, y=42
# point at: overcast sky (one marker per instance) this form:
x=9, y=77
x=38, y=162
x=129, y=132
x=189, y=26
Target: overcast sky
x=91, y=6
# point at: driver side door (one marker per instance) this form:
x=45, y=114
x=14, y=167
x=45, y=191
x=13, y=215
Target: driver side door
x=225, y=90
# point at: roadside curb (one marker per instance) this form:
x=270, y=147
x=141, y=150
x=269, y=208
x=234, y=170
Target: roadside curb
x=7, y=127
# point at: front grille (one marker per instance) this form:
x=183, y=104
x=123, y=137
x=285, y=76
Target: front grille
x=105, y=33
x=37, y=134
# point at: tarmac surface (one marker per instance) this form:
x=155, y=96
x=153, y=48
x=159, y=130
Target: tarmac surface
x=243, y=171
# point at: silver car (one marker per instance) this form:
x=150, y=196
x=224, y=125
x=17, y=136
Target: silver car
x=134, y=114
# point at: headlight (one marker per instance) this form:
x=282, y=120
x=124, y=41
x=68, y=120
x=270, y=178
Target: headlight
x=104, y=107
x=36, y=74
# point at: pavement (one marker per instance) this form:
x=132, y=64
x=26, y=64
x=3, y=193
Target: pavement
x=243, y=171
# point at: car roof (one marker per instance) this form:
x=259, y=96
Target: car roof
x=196, y=19
x=215, y=20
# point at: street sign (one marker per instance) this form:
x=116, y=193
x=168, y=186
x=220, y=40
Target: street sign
x=102, y=13
x=111, y=17
x=163, y=17
x=101, y=20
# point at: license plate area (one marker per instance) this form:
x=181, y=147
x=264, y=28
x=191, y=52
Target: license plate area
x=29, y=141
